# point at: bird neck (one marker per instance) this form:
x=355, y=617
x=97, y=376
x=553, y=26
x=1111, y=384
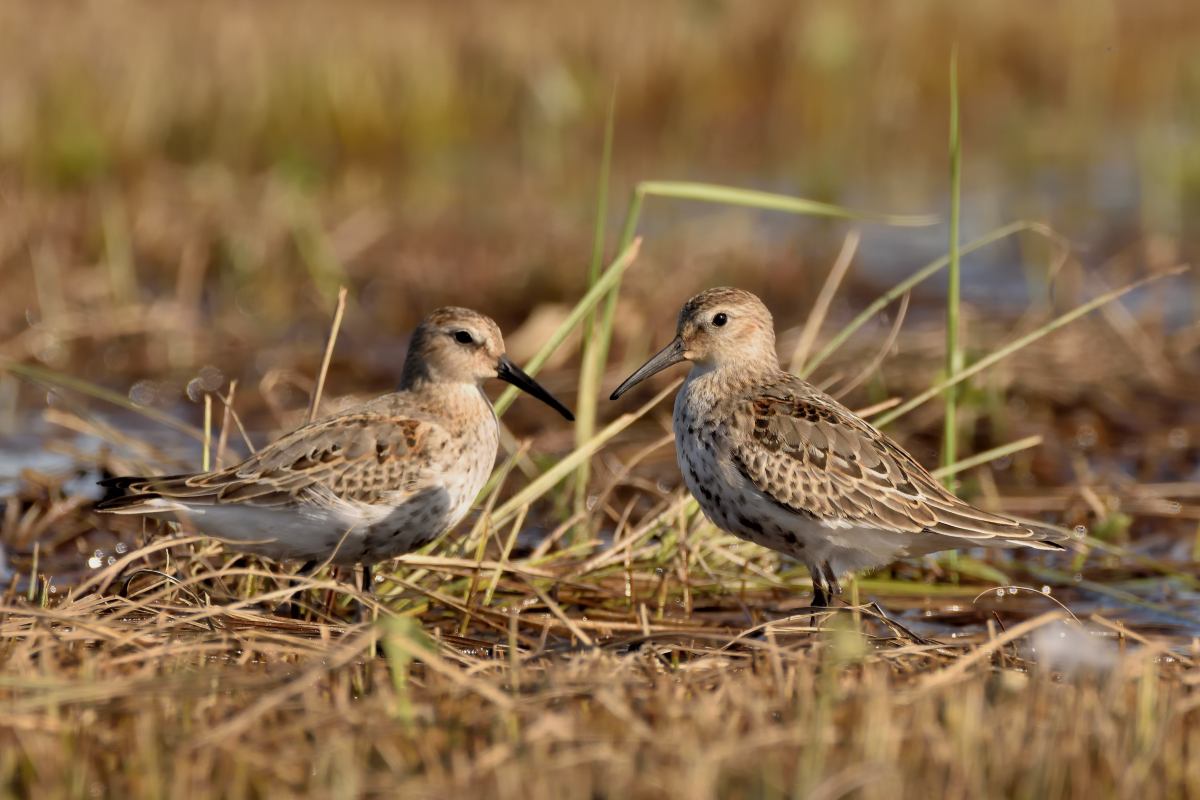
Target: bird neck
x=455, y=399
x=727, y=376
x=420, y=377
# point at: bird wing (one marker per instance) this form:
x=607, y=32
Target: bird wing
x=813, y=456
x=357, y=458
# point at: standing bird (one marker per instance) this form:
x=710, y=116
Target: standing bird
x=369, y=483
x=772, y=459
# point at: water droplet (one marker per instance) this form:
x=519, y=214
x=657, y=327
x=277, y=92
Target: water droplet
x=211, y=378
x=111, y=560
x=94, y=562
x=1012, y=590
x=98, y=553
x=1080, y=532
x=1000, y=592
x=1046, y=589
x=1077, y=577
x=122, y=547
x=144, y=393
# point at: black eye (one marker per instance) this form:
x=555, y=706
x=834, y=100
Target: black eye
x=720, y=319
x=463, y=337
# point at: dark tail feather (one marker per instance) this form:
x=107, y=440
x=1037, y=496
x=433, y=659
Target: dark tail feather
x=125, y=482
x=124, y=502
x=125, y=492
x=1050, y=537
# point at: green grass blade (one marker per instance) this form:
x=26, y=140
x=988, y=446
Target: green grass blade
x=954, y=353
x=547, y=480
x=925, y=272
x=1020, y=343
x=769, y=201
x=607, y=281
x=601, y=226
x=595, y=338
x=976, y=460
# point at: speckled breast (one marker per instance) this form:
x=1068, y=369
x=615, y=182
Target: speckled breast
x=699, y=448
x=723, y=492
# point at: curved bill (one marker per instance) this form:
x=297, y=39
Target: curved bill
x=668, y=356
x=509, y=372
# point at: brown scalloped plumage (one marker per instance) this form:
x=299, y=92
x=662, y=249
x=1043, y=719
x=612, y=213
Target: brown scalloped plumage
x=364, y=485
x=773, y=460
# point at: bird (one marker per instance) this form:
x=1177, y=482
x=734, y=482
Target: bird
x=773, y=460
x=368, y=483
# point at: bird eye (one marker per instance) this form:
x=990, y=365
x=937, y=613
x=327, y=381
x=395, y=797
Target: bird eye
x=720, y=319
x=463, y=337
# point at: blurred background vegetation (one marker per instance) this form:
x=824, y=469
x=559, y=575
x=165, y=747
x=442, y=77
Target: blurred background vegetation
x=235, y=162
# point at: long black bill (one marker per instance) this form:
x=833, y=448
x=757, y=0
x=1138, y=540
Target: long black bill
x=509, y=372
x=668, y=356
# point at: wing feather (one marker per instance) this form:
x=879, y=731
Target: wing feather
x=812, y=455
x=356, y=458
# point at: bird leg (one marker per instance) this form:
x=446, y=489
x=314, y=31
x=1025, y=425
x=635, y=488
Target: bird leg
x=361, y=612
x=831, y=579
x=820, y=595
x=292, y=609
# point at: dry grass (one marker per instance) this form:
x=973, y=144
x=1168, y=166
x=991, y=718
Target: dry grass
x=578, y=696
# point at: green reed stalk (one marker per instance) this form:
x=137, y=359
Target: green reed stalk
x=954, y=354
x=608, y=280
x=595, y=347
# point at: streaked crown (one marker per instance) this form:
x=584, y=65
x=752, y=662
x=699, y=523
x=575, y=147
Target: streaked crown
x=724, y=325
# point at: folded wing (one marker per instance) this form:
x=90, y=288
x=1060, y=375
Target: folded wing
x=357, y=459
x=810, y=454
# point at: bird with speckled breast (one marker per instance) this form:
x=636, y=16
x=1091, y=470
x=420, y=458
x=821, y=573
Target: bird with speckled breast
x=773, y=460
x=369, y=483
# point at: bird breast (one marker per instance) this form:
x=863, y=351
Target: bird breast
x=701, y=446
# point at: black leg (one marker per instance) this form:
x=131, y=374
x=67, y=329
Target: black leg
x=292, y=608
x=367, y=588
x=831, y=580
x=820, y=596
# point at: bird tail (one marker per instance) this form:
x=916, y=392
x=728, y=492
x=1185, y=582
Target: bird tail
x=133, y=494
x=1045, y=536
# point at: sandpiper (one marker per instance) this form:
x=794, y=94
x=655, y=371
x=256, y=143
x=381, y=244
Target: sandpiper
x=369, y=483
x=772, y=459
